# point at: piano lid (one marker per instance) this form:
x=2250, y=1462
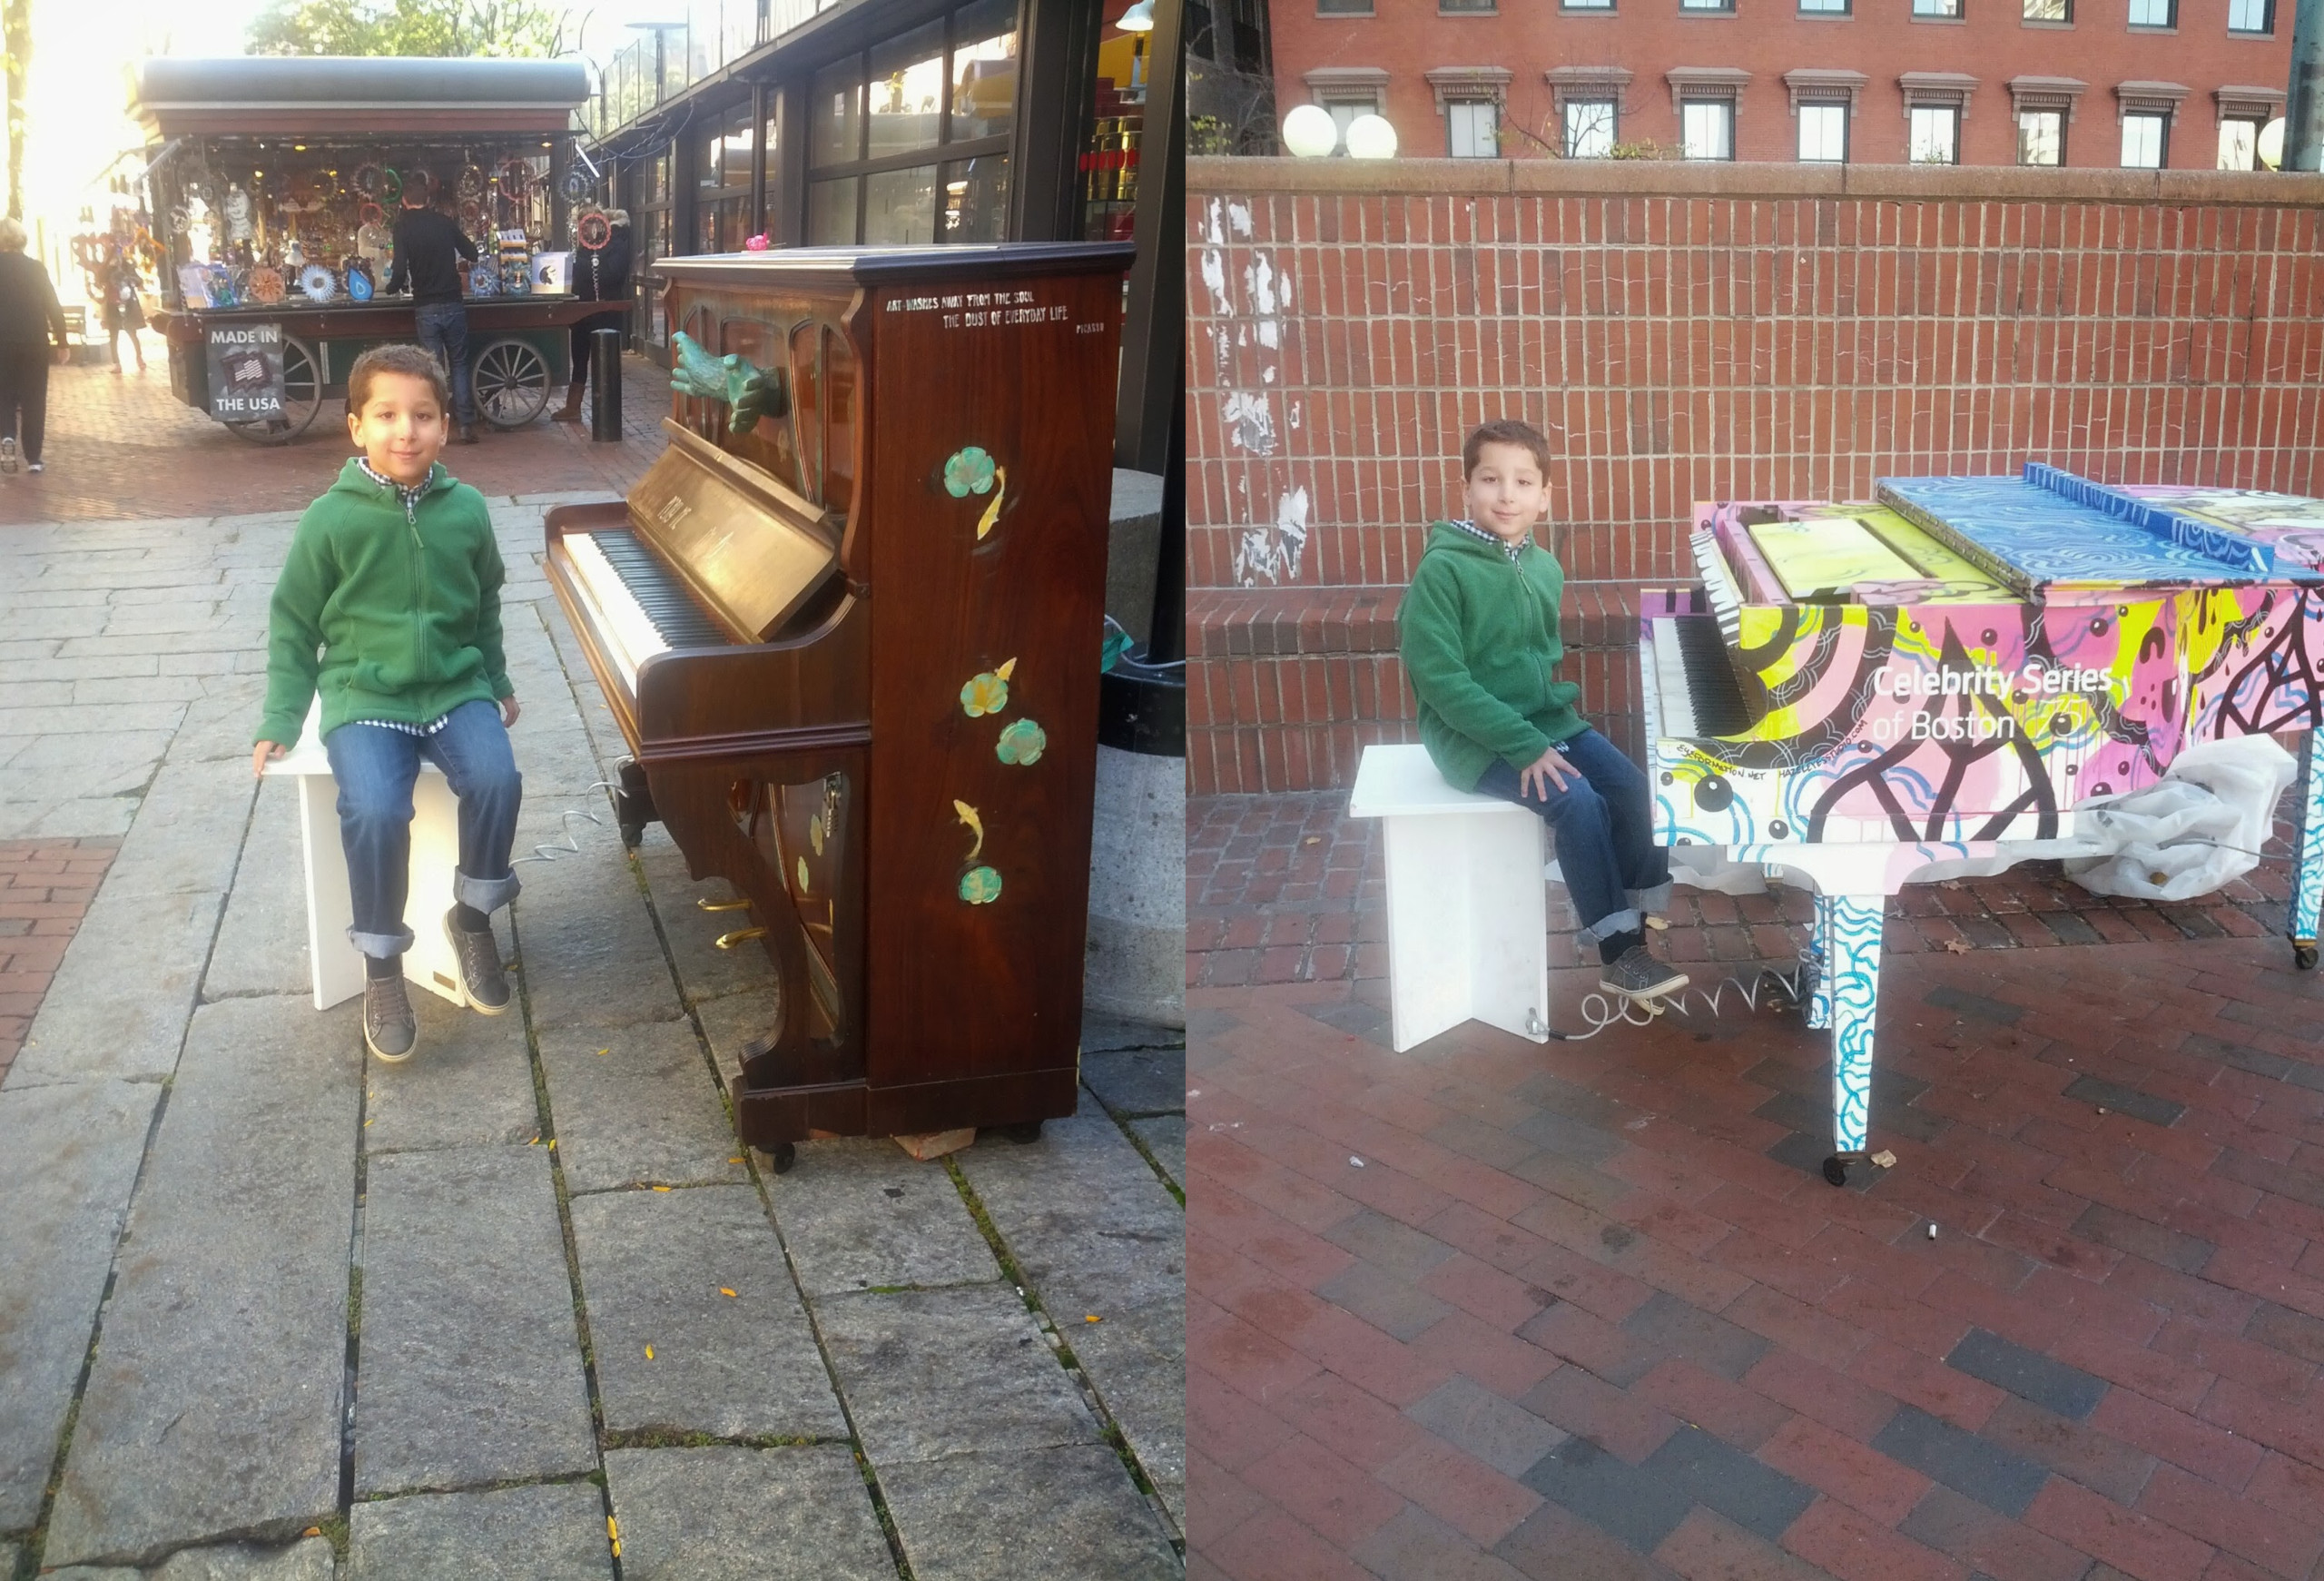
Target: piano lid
x=748, y=547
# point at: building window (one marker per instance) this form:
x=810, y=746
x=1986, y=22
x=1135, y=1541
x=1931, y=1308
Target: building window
x=2239, y=145
x=1343, y=7
x=2049, y=10
x=1585, y=5
x=1590, y=128
x=1935, y=137
x=1723, y=5
x=1824, y=133
x=1950, y=10
x=1472, y=129
x=1345, y=106
x=1464, y=8
x=1706, y=128
x=2041, y=137
x=2146, y=139
x=2154, y=13
x=1823, y=7
x=2251, y=15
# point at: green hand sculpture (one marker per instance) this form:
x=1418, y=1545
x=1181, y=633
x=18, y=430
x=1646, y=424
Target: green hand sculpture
x=748, y=392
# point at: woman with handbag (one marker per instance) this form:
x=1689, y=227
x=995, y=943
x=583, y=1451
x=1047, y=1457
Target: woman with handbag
x=600, y=273
x=122, y=311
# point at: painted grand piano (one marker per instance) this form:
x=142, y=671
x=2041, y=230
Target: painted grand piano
x=1854, y=692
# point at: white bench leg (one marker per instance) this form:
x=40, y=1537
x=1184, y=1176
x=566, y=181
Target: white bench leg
x=336, y=966
x=1468, y=925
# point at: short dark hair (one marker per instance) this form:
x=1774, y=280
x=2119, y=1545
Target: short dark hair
x=410, y=360
x=1506, y=431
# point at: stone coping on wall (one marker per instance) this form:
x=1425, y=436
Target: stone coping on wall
x=1722, y=178
x=1299, y=619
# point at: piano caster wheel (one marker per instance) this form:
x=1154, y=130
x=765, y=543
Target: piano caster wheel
x=631, y=834
x=782, y=1156
x=1835, y=1171
x=2304, y=957
x=1028, y=1132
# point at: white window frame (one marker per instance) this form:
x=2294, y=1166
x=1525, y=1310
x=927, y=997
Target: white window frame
x=1458, y=111
x=2267, y=10
x=2064, y=8
x=2170, y=22
x=2249, y=141
x=1719, y=112
x=2024, y=110
x=1945, y=115
x=1605, y=120
x=1937, y=10
x=2154, y=122
x=1821, y=109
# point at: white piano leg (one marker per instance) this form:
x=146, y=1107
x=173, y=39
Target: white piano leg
x=2308, y=873
x=1852, y=976
x=1819, y=964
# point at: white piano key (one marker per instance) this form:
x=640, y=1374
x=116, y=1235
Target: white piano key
x=635, y=639
x=1670, y=667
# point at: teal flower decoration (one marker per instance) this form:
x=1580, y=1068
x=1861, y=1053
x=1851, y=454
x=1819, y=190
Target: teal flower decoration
x=981, y=886
x=968, y=471
x=1022, y=743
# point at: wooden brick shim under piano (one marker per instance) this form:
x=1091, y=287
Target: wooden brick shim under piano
x=790, y=623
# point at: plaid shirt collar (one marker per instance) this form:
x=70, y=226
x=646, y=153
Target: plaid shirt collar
x=1511, y=550
x=410, y=496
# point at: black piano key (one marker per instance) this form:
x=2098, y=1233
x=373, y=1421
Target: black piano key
x=1711, y=688
x=661, y=598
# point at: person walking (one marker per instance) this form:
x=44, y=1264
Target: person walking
x=599, y=274
x=430, y=251
x=30, y=321
x=119, y=281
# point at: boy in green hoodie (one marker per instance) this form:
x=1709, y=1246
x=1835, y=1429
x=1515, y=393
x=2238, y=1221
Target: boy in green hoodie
x=1478, y=628
x=390, y=604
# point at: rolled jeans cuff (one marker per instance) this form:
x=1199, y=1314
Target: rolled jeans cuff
x=1613, y=923
x=1653, y=901
x=486, y=895
x=380, y=946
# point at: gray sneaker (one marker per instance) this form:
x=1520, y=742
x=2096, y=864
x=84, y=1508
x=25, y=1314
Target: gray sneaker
x=389, y=1029
x=1639, y=976
x=7, y=453
x=482, y=979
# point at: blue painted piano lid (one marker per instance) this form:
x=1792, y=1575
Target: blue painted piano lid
x=2050, y=529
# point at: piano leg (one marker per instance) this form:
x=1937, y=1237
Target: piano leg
x=1851, y=983
x=1819, y=965
x=2307, y=876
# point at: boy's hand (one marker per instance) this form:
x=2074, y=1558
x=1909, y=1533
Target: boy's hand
x=1550, y=769
x=260, y=754
x=508, y=709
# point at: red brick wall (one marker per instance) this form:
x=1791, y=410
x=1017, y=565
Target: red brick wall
x=1681, y=332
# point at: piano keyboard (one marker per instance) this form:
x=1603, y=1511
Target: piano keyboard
x=645, y=609
x=1694, y=680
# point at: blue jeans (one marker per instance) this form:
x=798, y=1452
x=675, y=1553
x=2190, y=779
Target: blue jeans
x=1603, y=824
x=443, y=327
x=376, y=767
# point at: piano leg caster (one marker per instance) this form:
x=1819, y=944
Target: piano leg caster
x=1835, y=1171
x=782, y=1156
x=631, y=834
x=2303, y=955
x=1028, y=1132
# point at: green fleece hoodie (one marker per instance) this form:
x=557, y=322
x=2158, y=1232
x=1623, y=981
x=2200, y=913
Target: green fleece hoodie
x=393, y=613
x=1480, y=638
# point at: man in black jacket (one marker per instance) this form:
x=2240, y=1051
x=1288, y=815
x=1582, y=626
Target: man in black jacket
x=29, y=319
x=599, y=274
x=430, y=251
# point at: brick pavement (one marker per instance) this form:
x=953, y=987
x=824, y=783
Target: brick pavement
x=45, y=887
x=123, y=447
x=1287, y=888
x=1490, y=1310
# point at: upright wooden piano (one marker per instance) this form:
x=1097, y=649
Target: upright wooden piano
x=850, y=623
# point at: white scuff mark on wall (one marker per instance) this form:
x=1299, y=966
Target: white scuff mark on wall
x=1213, y=231
x=1273, y=550
x=1240, y=216
x=1214, y=280
x=1249, y=421
x=1260, y=279
x=1267, y=376
x=1294, y=416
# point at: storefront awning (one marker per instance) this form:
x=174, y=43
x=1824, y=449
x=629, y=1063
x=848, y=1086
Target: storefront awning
x=318, y=95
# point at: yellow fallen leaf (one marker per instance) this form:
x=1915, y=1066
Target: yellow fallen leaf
x=733, y=1160
x=1090, y=1319
x=534, y=1142
x=367, y=1125
x=312, y=1532
x=661, y=1188
x=552, y=1142
x=1958, y=946
x=605, y=1051
x=614, y=1532
x=724, y=1291
x=649, y=1353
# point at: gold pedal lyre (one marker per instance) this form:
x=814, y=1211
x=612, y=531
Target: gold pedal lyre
x=724, y=904
x=728, y=941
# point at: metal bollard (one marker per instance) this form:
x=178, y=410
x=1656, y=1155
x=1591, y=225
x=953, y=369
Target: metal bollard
x=604, y=385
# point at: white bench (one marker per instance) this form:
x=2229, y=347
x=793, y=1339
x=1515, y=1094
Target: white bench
x=338, y=965
x=1468, y=908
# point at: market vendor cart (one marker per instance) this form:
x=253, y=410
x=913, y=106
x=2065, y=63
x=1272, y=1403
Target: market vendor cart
x=274, y=185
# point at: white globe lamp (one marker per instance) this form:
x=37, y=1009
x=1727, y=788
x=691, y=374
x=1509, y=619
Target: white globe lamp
x=2271, y=144
x=1310, y=132
x=1371, y=137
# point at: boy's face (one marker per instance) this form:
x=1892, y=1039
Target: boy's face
x=1506, y=493
x=401, y=429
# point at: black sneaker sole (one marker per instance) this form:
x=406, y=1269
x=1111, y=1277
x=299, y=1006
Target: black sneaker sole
x=467, y=994
x=382, y=1055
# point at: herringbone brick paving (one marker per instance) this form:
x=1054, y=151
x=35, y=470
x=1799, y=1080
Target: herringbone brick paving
x=1489, y=1311
x=124, y=447
x=45, y=888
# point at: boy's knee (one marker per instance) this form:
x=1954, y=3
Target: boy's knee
x=1581, y=802
x=374, y=810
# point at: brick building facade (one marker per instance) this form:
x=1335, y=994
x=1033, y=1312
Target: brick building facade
x=1681, y=332
x=2181, y=85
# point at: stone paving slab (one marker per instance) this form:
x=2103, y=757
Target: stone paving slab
x=593, y=956
x=730, y=1022
x=213, y=1404
x=261, y=944
x=645, y=1110
x=188, y=837
x=1143, y=1081
x=311, y=1560
x=68, y=1156
x=858, y=1213
x=88, y=1029
x=1068, y=1513
x=655, y=1268
x=929, y=1373
x=547, y=1532
x=469, y=1362
x=1083, y=1215
x=1165, y=1136
x=800, y=1512
x=470, y=1083
x=706, y=971
x=1135, y=1358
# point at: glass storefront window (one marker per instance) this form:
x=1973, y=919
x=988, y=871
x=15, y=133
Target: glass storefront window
x=907, y=92
x=1109, y=163
x=727, y=154
x=976, y=199
x=984, y=69
x=900, y=207
x=836, y=114
x=831, y=212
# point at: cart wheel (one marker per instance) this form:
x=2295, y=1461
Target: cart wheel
x=782, y=1156
x=2304, y=957
x=302, y=397
x=511, y=383
x=1835, y=1171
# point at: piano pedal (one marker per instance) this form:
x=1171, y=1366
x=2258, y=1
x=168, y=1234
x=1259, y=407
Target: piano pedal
x=728, y=941
x=723, y=905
